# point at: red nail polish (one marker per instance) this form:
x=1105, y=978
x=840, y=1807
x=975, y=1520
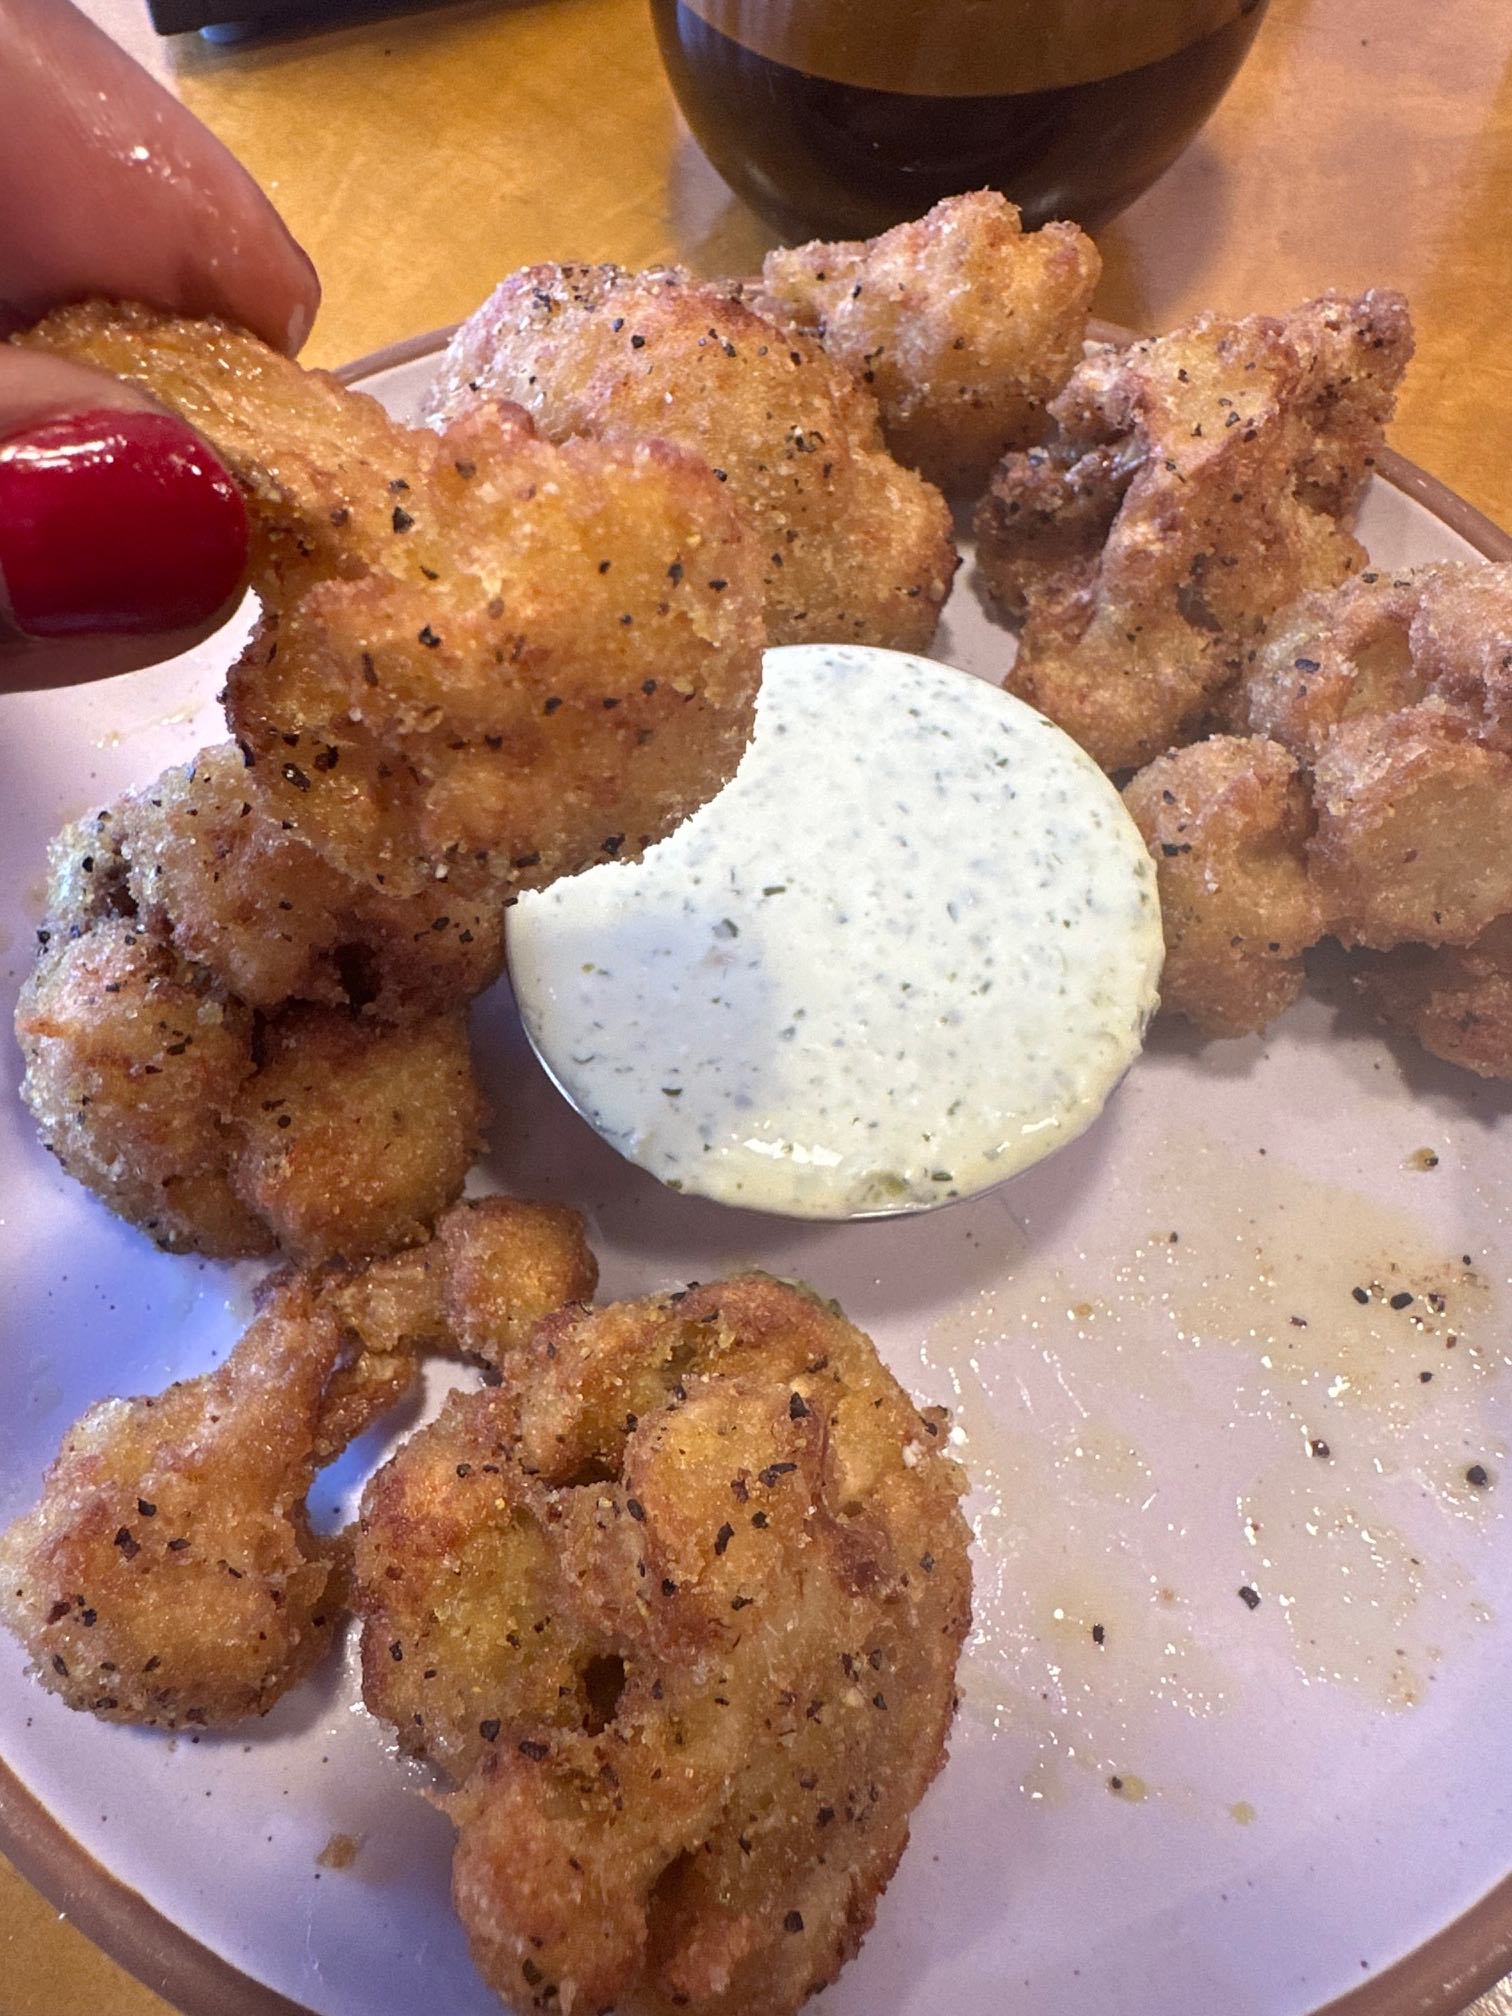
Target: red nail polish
x=116, y=524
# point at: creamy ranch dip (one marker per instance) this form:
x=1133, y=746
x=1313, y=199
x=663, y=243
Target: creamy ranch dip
x=907, y=951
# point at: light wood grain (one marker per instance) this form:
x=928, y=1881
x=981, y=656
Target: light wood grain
x=1368, y=142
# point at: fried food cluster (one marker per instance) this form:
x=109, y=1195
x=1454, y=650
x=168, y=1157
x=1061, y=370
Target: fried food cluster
x=1366, y=800
x=216, y=1126
x=1456, y=1000
x=677, y=1609
x=852, y=548
x=169, y=1573
x=963, y=325
x=1227, y=821
x=1196, y=485
x=243, y=896
x=476, y=646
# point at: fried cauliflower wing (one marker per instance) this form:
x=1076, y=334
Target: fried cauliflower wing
x=1337, y=655
x=1197, y=484
x=1457, y=1000
x=677, y=1607
x=214, y=1129
x=354, y=1137
x=1382, y=643
x=168, y=1574
x=135, y=1074
x=1411, y=811
x=852, y=547
x=244, y=897
x=474, y=643
x=963, y=325
x=1227, y=822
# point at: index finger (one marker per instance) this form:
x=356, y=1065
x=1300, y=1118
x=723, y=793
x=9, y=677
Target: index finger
x=113, y=188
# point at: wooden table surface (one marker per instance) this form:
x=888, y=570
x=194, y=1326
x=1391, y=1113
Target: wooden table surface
x=421, y=156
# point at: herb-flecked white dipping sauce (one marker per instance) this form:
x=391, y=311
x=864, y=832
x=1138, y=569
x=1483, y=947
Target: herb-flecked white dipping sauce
x=906, y=952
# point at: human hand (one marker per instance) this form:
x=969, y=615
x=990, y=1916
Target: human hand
x=122, y=539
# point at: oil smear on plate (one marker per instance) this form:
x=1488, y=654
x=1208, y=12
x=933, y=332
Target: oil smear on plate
x=1254, y=1453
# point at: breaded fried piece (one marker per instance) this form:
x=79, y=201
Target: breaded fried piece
x=1383, y=642
x=507, y=1264
x=1187, y=497
x=678, y=1607
x=1457, y=1000
x=491, y=1271
x=964, y=326
x=273, y=920
x=1462, y=644
x=1227, y=823
x=215, y=1130
x=86, y=876
x=474, y=643
x=852, y=548
x=356, y=1136
x=1353, y=354
x=135, y=1073
x=1337, y=655
x=169, y=1574
x=1410, y=817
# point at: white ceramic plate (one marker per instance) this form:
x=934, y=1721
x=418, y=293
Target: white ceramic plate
x=1218, y=1807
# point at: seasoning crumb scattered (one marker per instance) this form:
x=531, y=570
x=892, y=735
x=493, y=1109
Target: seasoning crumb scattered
x=1249, y=1597
x=340, y=1852
x=1478, y=1476
x=1422, y=1159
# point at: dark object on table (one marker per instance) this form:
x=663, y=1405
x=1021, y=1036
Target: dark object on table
x=837, y=118
x=181, y=17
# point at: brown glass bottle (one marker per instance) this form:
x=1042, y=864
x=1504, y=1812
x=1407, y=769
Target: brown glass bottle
x=821, y=154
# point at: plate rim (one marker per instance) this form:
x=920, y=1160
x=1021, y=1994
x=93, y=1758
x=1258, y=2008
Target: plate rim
x=1440, y=1977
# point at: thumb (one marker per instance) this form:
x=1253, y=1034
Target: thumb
x=122, y=539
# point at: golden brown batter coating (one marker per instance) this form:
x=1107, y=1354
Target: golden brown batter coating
x=473, y=644
x=678, y=1606
x=355, y=1136
x=508, y=1263
x=1193, y=491
x=1457, y=1001
x=168, y=1574
x=852, y=547
x=217, y=1130
x=135, y=1074
x=962, y=324
x=1335, y=656
x=1411, y=819
x=1227, y=823
x=273, y=920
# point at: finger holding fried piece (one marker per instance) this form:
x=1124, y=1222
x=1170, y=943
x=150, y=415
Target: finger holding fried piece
x=1227, y=822
x=678, y=1608
x=962, y=324
x=852, y=547
x=474, y=644
x=169, y=1574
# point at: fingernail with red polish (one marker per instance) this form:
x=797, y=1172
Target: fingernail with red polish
x=116, y=524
